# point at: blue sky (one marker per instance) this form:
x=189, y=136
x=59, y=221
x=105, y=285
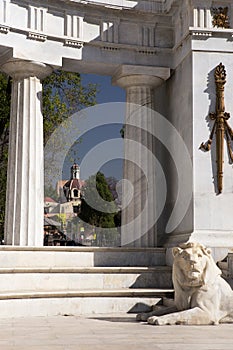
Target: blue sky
x=107, y=93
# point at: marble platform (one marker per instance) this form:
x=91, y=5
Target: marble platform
x=53, y=281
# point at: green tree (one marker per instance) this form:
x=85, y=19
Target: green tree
x=100, y=217
x=51, y=192
x=104, y=216
x=63, y=94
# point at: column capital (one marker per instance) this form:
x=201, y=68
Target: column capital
x=19, y=69
x=130, y=75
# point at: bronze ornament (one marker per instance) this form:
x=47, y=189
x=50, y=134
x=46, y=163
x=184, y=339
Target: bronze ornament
x=221, y=127
x=220, y=17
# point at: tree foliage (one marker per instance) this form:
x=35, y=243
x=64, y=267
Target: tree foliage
x=99, y=218
x=63, y=95
x=50, y=191
x=103, y=220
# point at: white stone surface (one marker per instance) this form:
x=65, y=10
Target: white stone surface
x=191, y=97
x=209, y=218
x=73, y=306
x=212, y=212
x=35, y=279
x=23, y=257
x=116, y=331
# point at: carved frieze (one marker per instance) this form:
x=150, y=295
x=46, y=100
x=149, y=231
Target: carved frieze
x=73, y=26
x=109, y=31
x=148, y=36
x=36, y=18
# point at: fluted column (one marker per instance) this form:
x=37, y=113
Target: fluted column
x=25, y=181
x=138, y=224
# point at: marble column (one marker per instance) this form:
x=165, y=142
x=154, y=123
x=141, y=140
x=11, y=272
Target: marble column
x=138, y=224
x=25, y=182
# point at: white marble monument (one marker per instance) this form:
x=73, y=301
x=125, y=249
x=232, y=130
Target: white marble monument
x=162, y=50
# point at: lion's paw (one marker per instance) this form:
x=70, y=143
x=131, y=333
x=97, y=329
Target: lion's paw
x=158, y=321
x=152, y=320
x=142, y=317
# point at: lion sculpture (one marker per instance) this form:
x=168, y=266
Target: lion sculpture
x=202, y=296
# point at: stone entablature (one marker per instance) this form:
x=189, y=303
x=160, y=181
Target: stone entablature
x=67, y=33
x=145, y=28
x=75, y=24
x=82, y=20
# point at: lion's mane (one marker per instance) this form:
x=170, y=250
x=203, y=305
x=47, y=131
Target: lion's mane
x=184, y=287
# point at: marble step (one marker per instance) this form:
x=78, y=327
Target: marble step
x=31, y=303
x=123, y=292
x=55, y=279
x=14, y=256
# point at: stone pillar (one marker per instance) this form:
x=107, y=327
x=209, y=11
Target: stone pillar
x=139, y=83
x=25, y=180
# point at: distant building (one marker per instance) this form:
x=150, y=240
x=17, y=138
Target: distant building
x=72, y=188
x=50, y=205
x=69, y=192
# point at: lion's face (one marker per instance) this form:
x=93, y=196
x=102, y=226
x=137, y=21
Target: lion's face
x=192, y=262
x=194, y=274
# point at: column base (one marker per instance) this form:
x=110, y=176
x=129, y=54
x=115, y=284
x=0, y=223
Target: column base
x=220, y=242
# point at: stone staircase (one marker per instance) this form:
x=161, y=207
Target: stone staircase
x=81, y=280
